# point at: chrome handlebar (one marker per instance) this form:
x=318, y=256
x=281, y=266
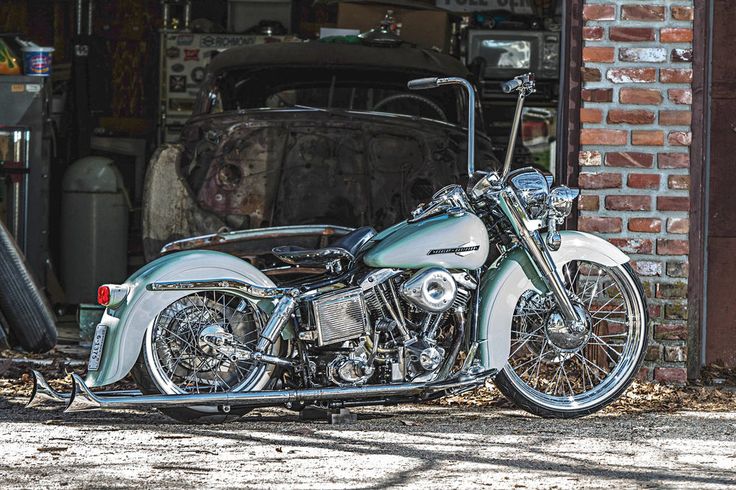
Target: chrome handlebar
x=511, y=85
x=523, y=84
x=434, y=82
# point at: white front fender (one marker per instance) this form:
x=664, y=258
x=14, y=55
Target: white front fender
x=512, y=275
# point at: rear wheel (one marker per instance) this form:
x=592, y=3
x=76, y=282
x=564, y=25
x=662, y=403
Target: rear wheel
x=178, y=356
x=553, y=372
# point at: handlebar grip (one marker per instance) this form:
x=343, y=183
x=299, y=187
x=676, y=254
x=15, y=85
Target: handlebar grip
x=511, y=85
x=422, y=83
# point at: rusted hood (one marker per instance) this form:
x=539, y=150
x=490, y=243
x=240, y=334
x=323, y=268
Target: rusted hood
x=269, y=168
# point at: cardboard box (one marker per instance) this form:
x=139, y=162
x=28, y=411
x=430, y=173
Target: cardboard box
x=425, y=28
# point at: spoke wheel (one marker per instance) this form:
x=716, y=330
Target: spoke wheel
x=176, y=359
x=182, y=362
x=555, y=373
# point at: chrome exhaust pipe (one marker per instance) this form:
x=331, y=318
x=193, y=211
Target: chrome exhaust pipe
x=44, y=395
x=83, y=399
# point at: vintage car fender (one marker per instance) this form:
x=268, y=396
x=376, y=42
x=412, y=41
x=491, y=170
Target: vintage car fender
x=127, y=323
x=512, y=274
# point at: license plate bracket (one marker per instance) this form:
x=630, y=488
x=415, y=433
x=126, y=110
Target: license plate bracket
x=98, y=343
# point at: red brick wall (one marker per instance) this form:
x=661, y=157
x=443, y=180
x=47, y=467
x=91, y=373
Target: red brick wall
x=634, y=159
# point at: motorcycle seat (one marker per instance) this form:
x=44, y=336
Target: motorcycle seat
x=346, y=247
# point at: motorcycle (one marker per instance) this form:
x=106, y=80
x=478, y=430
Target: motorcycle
x=424, y=309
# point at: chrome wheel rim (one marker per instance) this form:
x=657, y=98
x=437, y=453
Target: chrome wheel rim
x=179, y=362
x=574, y=379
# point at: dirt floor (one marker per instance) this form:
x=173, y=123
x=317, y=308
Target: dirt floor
x=411, y=447
x=654, y=436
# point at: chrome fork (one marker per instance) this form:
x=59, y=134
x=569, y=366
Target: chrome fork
x=528, y=232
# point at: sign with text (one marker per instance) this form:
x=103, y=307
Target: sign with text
x=515, y=6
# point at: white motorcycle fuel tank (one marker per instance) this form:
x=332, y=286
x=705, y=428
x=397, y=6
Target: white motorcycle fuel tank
x=454, y=241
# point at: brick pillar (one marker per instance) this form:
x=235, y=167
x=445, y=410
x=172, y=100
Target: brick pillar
x=634, y=159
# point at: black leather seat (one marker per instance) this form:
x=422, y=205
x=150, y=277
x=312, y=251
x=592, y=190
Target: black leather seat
x=353, y=241
x=346, y=247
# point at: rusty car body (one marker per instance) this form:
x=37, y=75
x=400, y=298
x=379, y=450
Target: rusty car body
x=301, y=134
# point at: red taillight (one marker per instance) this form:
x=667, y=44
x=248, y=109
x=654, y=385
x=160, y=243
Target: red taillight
x=112, y=295
x=103, y=295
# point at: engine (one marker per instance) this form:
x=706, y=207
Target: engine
x=390, y=326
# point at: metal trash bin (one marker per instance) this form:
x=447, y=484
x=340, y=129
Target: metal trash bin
x=94, y=234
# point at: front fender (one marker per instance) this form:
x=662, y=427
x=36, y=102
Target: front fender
x=170, y=209
x=127, y=324
x=512, y=274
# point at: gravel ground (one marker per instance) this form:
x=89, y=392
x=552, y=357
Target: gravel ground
x=410, y=447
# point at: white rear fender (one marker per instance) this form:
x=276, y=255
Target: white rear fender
x=127, y=323
x=512, y=275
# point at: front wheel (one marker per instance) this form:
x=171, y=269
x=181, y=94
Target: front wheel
x=556, y=373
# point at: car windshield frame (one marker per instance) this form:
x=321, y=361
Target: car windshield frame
x=259, y=89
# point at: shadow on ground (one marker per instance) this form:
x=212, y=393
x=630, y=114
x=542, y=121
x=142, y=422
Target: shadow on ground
x=422, y=446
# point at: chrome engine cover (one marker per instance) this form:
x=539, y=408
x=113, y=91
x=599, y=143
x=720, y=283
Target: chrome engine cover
x=349, y=370
x=432, y=289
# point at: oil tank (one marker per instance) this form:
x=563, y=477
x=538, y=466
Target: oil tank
x=94, y=233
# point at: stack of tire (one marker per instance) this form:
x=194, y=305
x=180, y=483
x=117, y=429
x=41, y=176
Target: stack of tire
x=24, y=311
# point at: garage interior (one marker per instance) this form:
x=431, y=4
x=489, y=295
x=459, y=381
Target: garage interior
x=91, y=88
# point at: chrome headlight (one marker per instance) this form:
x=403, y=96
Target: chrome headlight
x=532, y=189
x=560, y=201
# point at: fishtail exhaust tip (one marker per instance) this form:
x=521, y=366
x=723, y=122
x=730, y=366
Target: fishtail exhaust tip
x=42, y=393
x=82, y=398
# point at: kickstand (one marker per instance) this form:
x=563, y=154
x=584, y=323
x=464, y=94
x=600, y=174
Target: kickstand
x=341, y=416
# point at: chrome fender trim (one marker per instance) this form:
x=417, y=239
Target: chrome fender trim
x=128, y=322
x=512, y=274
